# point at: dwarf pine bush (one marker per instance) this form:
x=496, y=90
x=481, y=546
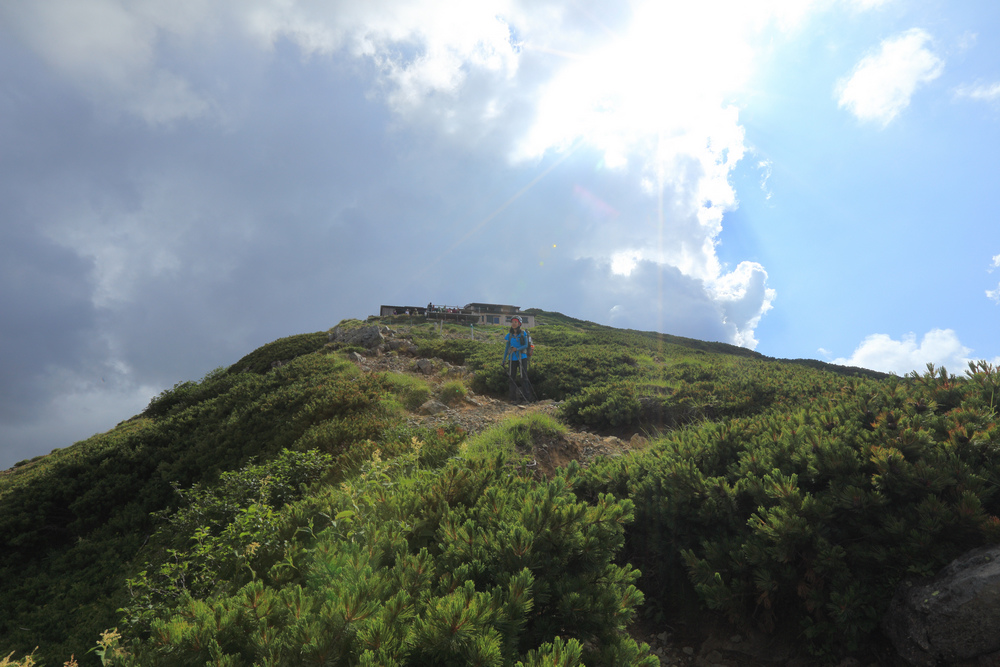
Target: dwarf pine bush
x=282, y=350
x=805, y=521
x=603, y=406
x=469, y=563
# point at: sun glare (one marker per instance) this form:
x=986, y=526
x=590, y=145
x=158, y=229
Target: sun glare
x=623, y=263
x=658, y=78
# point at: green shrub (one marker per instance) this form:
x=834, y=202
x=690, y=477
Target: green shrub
x=86, y=509
x=804, y=522
x=452, y=392
x=412, y=391
x=603, y=406
x=513, y=435
x=282, y=350
x=456, y=351
x=467, y=564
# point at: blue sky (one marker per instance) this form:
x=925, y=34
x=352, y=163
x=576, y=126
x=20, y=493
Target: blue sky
x=182, y=181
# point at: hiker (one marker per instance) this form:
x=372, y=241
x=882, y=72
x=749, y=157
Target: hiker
x=516, y=353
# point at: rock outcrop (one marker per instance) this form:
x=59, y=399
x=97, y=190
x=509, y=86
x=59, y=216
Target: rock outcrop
x=367, y=337
x=954, y=618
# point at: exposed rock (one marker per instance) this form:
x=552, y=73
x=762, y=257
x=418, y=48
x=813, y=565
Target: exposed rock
x=951, y=618
x=355, y=357
x=755, y=648
x=425, y=366
x=368, y=337
x=637, y=441
x=432, y=407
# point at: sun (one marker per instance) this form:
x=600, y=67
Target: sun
x=654, y=81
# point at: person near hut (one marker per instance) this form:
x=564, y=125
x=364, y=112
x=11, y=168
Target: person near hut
x=515, y=360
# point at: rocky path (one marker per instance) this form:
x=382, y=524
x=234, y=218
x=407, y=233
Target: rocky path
x=476, y=413
x=685, y=644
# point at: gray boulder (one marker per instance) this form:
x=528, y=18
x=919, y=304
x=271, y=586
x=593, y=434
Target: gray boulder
x=432, y=407
x=368, y=337
x=425, y=366
x=953, y=618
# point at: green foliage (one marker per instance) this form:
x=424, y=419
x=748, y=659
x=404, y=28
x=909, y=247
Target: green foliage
x=283, y=350
x=555, y=372
x=452, y=392
x=603, y=406
x=512, y=436
x=674, y=381
x=466, y=564
x=805, y=520
x=71, y=522
x=411, y=391
x=289, y=515
x=456, y=351
x=218, y=529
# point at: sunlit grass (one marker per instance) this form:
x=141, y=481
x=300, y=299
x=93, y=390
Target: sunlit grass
x=512, y=435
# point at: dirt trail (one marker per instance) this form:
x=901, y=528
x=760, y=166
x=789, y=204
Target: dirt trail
x=686, y=643
x=477, y=412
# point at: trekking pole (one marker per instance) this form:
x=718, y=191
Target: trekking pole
x=511, y=376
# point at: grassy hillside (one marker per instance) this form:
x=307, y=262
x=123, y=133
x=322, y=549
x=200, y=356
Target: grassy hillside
x=284, y=511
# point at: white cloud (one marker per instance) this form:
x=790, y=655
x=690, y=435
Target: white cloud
x=986, y=92
x=653, y=101
x=883, y=353
x=765, y=168
x=883, y=83
x=745, y=298
x=867, y=5
x=651, y=96
x=994, y=294
x=420, y=49
x=109, y=49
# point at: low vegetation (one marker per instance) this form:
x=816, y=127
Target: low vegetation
x=282, y=511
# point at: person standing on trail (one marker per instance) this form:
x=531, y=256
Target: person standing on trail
x=515, y=358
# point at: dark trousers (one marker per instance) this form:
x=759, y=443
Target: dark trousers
x=525, y=383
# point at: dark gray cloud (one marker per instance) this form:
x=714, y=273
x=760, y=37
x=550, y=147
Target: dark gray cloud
x=183, y=194
x=47, y=318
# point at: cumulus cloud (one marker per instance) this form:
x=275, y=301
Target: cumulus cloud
x=177, y=169
x=881, y=352
x=648, y=95
x=883, y=83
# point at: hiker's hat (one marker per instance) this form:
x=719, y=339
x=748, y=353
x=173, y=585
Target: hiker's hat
x=515, y=319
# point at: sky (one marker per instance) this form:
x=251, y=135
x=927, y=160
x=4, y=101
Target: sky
x=182, y=181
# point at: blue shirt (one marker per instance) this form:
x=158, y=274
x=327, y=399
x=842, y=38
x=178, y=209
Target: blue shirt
x=517, y=346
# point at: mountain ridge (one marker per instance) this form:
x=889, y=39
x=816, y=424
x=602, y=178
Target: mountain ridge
x=92, y=508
